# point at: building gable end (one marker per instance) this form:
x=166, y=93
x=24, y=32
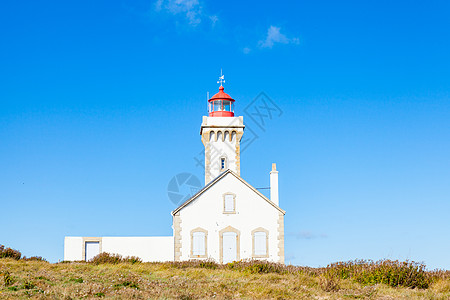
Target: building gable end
x=217, y=179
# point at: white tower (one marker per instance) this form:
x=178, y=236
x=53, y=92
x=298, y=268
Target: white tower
x=221, y=135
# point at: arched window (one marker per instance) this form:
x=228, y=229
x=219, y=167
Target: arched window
x=199, y=243
x=260, y=243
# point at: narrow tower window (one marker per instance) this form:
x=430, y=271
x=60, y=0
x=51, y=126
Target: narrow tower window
x=223, y=163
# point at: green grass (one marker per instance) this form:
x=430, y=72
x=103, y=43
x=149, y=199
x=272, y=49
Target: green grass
x=199, y=280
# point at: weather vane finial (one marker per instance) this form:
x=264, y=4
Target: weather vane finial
x=221, y=78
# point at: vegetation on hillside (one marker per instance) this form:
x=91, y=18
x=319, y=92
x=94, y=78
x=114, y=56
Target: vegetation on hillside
x=113, y=276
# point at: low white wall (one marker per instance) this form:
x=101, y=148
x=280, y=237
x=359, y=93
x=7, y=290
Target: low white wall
x=154, y=248
x=73, y=248
x=149, y=249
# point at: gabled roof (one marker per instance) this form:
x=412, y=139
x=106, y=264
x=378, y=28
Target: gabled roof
x=217, y=179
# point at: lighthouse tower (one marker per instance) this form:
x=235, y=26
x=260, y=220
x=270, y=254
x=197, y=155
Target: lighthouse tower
x=221, y=135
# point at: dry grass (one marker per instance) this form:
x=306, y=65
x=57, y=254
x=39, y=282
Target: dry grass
x=199, y=280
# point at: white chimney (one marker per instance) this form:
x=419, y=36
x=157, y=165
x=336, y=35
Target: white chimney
x=274, y=184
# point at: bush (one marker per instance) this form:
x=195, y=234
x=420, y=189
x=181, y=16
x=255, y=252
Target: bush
x=8, y=252
x=108, y=258
x=367, y=272
x=208, y=264
x=34, y=258
x=260, y=266
x=132, y=260
x=193, y=263
x=392, y=273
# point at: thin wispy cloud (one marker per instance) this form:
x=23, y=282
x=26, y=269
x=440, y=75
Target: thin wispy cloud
x=191, y=10
x=213, y=20
x=275, y=36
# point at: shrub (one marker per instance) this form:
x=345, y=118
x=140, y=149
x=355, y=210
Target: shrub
x=193, y=263
x=208, y=264
x=34, y=258
x=392, y=273
x=108, y=258
x=259, y=266
x=251, y=266
x=8, y=252
x=132, y=260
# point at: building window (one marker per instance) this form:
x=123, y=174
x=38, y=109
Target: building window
x=260, y=243
x=199, y=243
x=229, y=203
x=223, y=163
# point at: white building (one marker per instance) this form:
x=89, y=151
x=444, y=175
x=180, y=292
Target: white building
x=227, y=220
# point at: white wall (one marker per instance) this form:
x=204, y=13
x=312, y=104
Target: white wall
x=155, y=248
x=251, y=212
x=73, y=247
x=147, y=248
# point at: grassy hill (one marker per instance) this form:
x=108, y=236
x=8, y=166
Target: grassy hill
x=125, y=278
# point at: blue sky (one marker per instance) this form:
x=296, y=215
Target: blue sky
x=101, y=105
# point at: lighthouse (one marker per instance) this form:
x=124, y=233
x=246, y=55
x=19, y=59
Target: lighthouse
x=225, y=221
x=221, y=133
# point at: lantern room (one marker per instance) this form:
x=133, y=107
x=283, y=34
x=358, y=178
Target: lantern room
x=221, y=105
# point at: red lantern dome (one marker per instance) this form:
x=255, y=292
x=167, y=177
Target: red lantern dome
x=221, y=105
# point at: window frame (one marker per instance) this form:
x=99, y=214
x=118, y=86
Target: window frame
x=224, y=203
x=260, y=229
x=199, y=229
